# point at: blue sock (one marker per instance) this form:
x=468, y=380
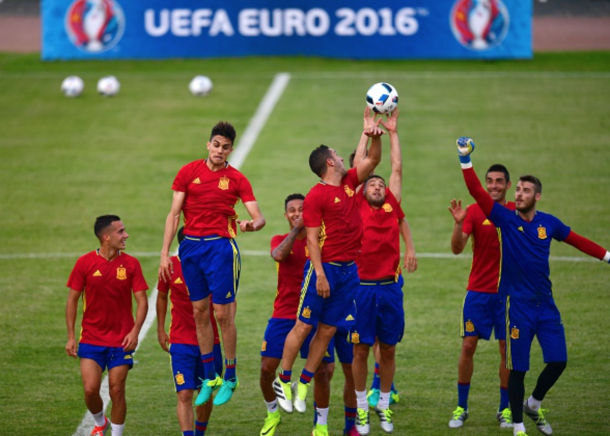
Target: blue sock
x=218, y=358
x=306, y=376
x=200, y=428
x=393, y=388
x=463, y=390
x=315, y=414
x=285, y=375
x=504, y=402
x=188, y=433
x=376, y=383
x=230, y=365
x=208, y=366
x=350, y=418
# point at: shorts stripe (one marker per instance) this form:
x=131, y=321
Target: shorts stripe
x=171, y=367
x=236, y=266
x=509, y=356
x=305, y=286
x=462, y=332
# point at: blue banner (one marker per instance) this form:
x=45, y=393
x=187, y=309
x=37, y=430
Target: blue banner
x=351, y=29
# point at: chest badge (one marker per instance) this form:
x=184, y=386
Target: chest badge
x=387, y=207
x=223, y=183
x=542, y=233
x=348, y=191
x=121, y=273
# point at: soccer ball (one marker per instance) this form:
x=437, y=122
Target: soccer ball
x=72, y=86
x=200, y=86
x=108, y=86
x=382, y=98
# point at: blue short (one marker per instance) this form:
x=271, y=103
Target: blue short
x=343, y=280
x=380, y=312
x=187, y=366
x=482, y=312
x=275, y=338
x=211, y=265
x=106, y=357
x=526, y=319
x=343, y=345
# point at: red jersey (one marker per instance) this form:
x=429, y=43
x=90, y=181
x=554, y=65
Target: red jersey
x=107, y=307
x=210, y=198
x=289, y=278
x=334, y=209
x=379, y=257
x=182, y=328
x=487, y=258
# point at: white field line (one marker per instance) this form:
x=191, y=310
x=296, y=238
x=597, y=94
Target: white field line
x=266, y=253
x=239, y=155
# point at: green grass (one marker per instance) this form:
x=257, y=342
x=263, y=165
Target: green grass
x=65, y=161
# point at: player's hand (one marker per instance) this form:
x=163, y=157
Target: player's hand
x=410, y=262
x=465, y=145
x=246, y=225
x=166, y=268
x=298, y=223
x=456, y=210
x=130, y=342
x=391, y=123
x=374, y=131
x=71, y=347
x=369, y=119
x=322, y=286
x=163, y=340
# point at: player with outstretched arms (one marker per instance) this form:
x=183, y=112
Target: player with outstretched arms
x=526, y=236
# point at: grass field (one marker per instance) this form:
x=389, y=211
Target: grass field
x=65, y=161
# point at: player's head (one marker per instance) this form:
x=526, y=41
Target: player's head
x=110, y=230
x=221, y=141
x=323, y=158
x=374, y=190
x=528, y=192
x=180, y=235
x=497, y=180
x=293, y=208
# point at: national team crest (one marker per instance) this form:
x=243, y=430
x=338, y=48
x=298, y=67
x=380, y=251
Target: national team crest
x=387, y=207
x=542, y=233
x=479, y=24
x=348, y=191
x=223, y=183
x=514, y=333
x=179, y=379
x=355, y=338
x=95, y=26
x=121, y=273
x=469, y=326
x=306, y=313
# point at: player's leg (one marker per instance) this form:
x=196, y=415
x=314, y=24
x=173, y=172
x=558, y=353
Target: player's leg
x=359, y=374
x=269, y=366
x=317, y=349
x=184, y=410
x=117, y=378
x=345, y=352
x=91, y=373
x=373, y=393
x=504, y=415
x=203, y=414
x=205, y=338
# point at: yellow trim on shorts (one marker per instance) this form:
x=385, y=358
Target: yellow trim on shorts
x=509, y=354
x=305, y=286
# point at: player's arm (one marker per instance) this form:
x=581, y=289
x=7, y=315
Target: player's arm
x=587, y=246
x=366, y=166
x=281, y=252
x=459, y=239
x=465, y=146
x=171, y=226
x=71, y=308
x=315, y=256
x=130, y=342
x=360, y=152
x=410, y=258
x=257, y=222
x=161, y=315
x=395, y=182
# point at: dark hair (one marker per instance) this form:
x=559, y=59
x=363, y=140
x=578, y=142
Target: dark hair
x=180, y=235
x=292, y=197
x=499, y=168
x=534, y=181
x=373, y=176
x=224, y=129
x=102, y=222
x=317, y=159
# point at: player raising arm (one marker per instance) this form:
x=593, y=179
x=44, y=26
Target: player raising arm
x=525, y=282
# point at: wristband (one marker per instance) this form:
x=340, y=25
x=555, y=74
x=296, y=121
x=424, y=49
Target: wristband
x=465, y=160
x=607, y=257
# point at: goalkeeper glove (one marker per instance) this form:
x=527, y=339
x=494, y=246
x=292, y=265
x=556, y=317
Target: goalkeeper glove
x=465, y=146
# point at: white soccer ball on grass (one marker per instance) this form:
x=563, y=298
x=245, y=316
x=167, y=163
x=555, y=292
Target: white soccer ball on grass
x=72, y=86
x=108, y=86
x=200, y=86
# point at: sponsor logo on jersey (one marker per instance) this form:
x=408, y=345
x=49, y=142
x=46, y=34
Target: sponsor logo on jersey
x=520, y=228
x=337, y=200
x=486, y=222
x=121, y=273
x=469, y=326
x=542, y=232
x=348, y=191
x=306, y=313
x=178, y=281
x=97, y=273
x=514, y=333
x=387, y=207
x=179, y=379
x=223, y=183
x=349, y=317
x=197, y=181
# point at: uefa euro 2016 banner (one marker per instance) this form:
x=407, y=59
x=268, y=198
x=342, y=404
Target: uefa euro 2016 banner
x=354, y=29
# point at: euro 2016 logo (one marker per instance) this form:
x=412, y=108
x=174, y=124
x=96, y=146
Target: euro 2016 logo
x=95, y=26
x=479, y=24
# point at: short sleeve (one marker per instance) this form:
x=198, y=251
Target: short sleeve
x=398, y=212
x=560, y=230
x=180, y=182
x=77, y=278
x=468, y=224
x=163, y=287
x=312, y=210
x=245, y=190
x=276, y=241
x=138, y=283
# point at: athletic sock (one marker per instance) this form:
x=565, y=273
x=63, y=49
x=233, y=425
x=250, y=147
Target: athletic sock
x=208, y=366
x=517, y=427
x=463, y=390
x=350, y=418
x=200, y=428
x=533, y=403
x=99, y=418
x=230, y=365
x=384, y=400
x=271, y=406
x=315, y=413
x=361, y=400
x=117, y=429
x=322, y=416
x=285, y=375
x=188, y=433
x=376, y=382
x=504, y=403
x=306, y=376
x=218, y=358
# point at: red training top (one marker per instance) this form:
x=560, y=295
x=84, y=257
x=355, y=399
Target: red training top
x=107, y=307
x=210, y=198
x=334, y=209
x=289, y=278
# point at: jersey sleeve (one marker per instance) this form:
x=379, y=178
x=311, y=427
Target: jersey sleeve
x=398, y=212
x=499, y=214
x=468, y=223
x=352, y=178
x=163, y=287
x=76, y=281
x=312, y=210
x=276, y=241
x=245, y=191
x=138, y=283
x=560, y=230
x=180, y=182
